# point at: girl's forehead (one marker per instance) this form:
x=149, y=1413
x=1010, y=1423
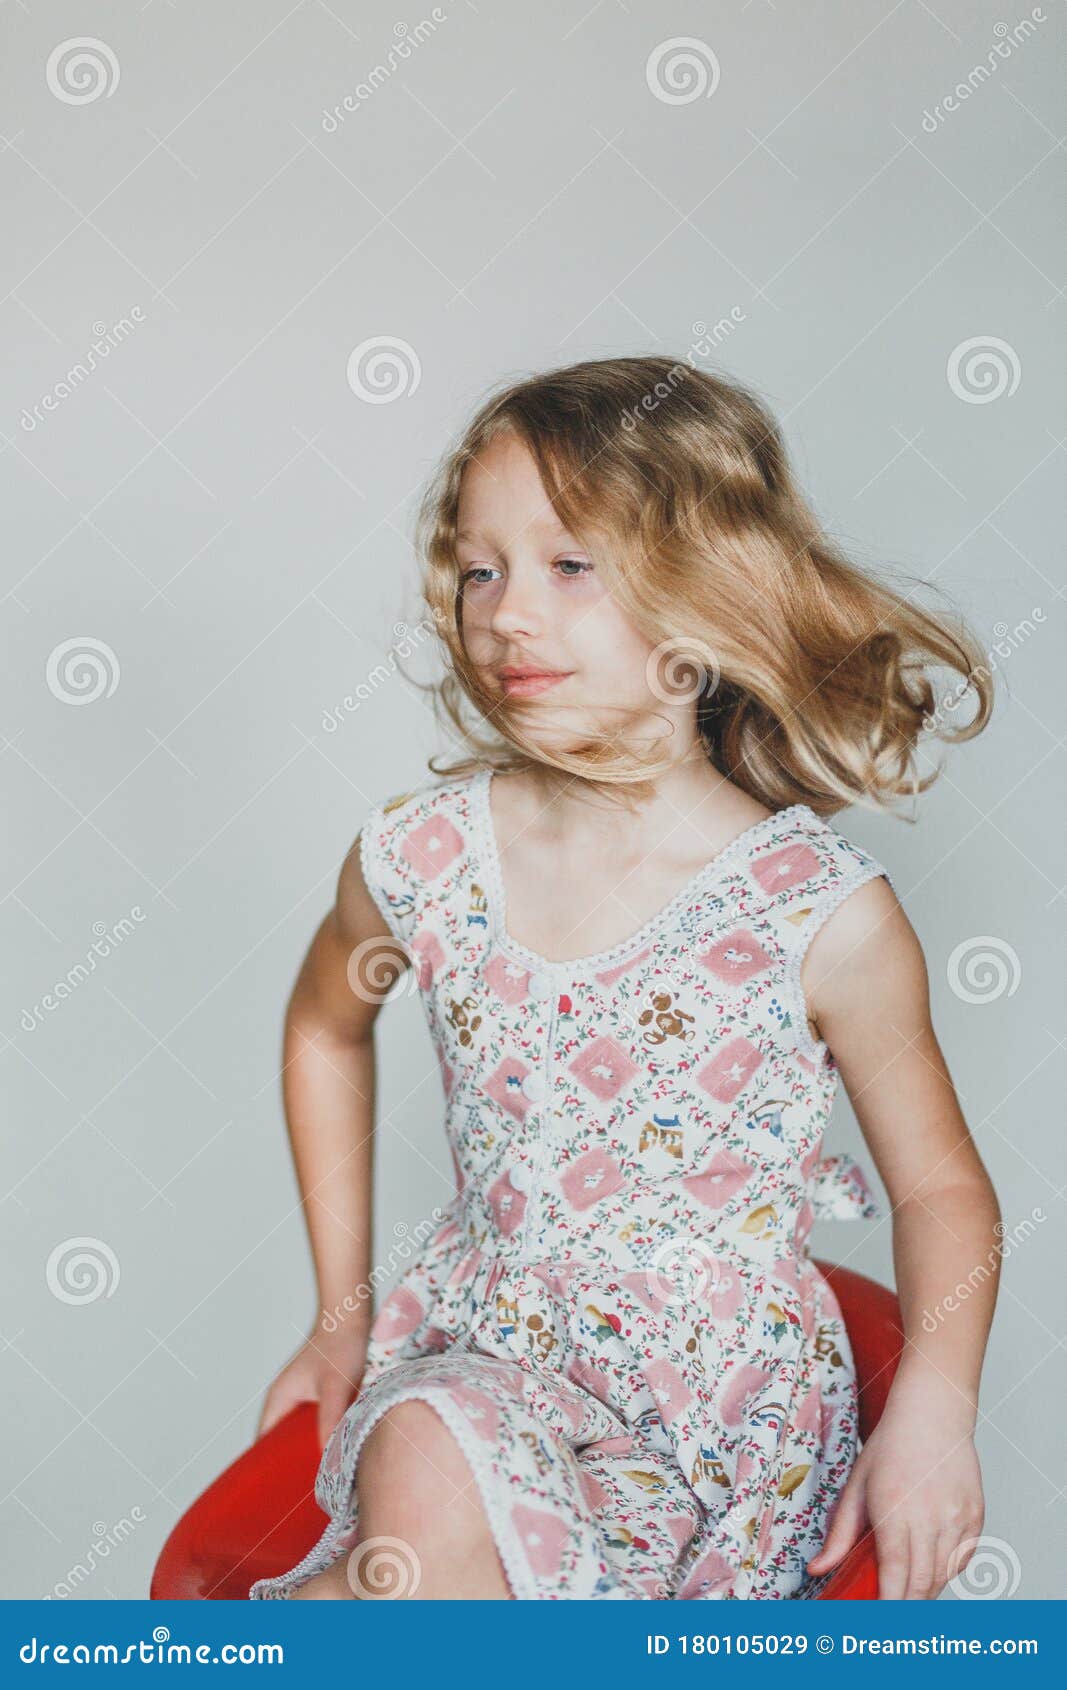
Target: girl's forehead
x=549, y=525
x=493, y=496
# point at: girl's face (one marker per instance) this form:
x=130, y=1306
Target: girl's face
x=538, y=622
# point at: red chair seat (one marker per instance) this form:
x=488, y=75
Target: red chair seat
x=260, y=1517
x=257, y=1519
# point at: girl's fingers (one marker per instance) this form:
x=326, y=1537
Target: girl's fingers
x=922, y=1549
x=270, y=1414
x=846, y=1527
x=280, y=1399
x=948, y=1543
x=891, y=1544
x=333, y=1401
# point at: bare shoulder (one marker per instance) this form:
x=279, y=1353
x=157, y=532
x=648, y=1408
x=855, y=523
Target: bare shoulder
x=350, y=964
x=865, y=960
x=357, y=917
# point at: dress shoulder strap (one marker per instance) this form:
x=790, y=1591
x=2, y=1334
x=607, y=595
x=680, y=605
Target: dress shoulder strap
x=411, y=846
x=804, y=881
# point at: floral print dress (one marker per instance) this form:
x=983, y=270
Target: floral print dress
x=617, y=1317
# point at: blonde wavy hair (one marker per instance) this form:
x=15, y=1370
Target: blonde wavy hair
x=809, y=679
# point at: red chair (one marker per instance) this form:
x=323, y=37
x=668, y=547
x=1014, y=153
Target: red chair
x=260, y=1517
x=876, y=1334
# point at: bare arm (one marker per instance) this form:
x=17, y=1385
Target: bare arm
x=917, y=1480
x=328, y=1084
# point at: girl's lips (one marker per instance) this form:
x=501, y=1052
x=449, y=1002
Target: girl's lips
x=526, y=686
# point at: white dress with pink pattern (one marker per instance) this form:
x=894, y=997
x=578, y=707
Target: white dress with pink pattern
x=618, y=1318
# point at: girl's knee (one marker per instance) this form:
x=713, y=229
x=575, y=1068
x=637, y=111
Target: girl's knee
x=411, y=1440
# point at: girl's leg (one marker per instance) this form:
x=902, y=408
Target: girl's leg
x=422, y=1530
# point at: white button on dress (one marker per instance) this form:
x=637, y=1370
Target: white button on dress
x=540, y=986
x=520, y=1177
x=533, y=1086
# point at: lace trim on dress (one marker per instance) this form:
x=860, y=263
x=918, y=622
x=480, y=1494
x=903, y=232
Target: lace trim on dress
x=287, y=1582
x=602, y=961
x=493, y=1501
x=368, y=862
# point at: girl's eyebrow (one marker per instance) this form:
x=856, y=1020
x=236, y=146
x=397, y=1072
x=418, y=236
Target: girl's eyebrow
x=557, y=532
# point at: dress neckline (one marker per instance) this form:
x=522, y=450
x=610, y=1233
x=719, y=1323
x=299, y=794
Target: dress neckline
x=601, y=961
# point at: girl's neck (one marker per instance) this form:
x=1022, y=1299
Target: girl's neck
x=573, y=810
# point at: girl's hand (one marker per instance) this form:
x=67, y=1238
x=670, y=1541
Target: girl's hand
x=917, y=1483
x=326, y=1369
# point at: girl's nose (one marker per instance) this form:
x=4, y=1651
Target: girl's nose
x=516, y=610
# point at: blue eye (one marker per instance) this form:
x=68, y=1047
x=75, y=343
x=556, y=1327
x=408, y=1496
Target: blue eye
x=480, y=569
x=577, y=563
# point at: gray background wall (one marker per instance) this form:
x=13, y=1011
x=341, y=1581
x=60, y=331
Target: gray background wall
x=224, y=523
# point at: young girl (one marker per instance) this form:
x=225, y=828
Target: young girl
x=646, y=955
